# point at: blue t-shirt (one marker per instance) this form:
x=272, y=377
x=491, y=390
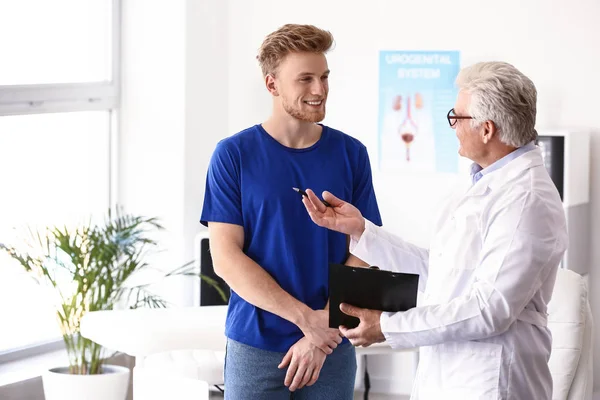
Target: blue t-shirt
x=249, y=183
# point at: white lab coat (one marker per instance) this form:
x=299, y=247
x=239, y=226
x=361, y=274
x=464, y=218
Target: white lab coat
x=487, y=279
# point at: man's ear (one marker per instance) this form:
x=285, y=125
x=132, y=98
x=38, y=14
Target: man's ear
x=271, y=85
x=489, y=131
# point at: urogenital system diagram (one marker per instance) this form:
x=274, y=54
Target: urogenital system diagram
x=408, y=128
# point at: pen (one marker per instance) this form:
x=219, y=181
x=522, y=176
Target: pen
x=303, y=193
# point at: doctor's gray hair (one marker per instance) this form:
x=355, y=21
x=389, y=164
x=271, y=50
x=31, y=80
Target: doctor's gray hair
x=502, y=94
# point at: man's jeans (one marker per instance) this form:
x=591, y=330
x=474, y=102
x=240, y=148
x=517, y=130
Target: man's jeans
x=252, y=374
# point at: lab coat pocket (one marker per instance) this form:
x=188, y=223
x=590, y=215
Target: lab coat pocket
x=471, y=370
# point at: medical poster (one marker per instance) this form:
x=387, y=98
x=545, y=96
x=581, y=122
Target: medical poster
x=416, y=91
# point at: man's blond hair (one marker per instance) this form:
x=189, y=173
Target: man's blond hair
x=291, y=38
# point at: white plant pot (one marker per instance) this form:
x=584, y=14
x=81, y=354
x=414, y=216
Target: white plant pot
x=112, y=384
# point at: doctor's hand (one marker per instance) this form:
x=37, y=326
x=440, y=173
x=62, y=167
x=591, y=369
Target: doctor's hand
x=341, y=216
x=315, y=327
x=369, y=329
x=305, y=361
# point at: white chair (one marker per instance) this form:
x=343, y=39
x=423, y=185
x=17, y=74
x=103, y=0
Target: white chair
x=571, y=324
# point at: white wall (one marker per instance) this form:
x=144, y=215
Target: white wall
x=152, y=163
x=206, y=102
x=174, y=110
x=218, y=91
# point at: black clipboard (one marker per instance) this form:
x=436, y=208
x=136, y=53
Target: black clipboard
x=370, y=288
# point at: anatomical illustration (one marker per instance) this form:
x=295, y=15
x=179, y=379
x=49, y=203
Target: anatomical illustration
x=408, y=134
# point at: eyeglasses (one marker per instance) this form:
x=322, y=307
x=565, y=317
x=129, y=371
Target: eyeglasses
x=453, y=119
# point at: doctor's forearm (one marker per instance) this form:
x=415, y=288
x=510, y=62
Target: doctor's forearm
x=387, y=251
x=460, y=320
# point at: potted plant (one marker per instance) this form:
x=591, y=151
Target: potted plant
x=89, y=269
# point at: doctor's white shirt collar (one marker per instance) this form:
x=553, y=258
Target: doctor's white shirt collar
x=477, y=172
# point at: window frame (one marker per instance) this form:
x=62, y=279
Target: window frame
x=71, y=97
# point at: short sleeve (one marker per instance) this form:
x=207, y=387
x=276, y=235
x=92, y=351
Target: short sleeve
x=222, y=195
x=363, y=196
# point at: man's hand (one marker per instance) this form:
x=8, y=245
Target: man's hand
x=305, y=361
x=316, y=329
x=341, y=216
x=369, y=329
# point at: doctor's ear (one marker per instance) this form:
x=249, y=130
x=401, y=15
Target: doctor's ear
x=271, y=85
x=489, y=131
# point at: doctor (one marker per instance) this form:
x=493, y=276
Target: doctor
x=490, y=269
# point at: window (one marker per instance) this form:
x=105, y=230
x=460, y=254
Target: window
x=58, y=41
x=59, y=92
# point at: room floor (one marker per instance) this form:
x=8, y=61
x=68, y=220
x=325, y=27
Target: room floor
x=357, y=396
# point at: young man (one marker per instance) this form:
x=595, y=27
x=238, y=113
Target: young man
x=265, y=246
